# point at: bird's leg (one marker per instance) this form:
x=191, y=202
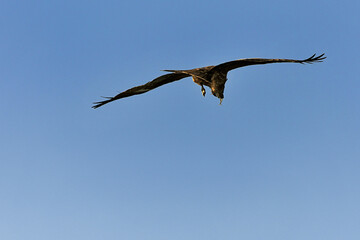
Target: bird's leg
x=221, y=99
x=203, y=90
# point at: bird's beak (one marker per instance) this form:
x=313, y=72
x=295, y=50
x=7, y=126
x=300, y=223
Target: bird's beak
x=221, y=99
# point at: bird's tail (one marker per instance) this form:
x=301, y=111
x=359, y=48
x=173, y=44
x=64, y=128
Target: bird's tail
x=190, y=72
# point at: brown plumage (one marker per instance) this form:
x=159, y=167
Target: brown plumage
x=213, y=77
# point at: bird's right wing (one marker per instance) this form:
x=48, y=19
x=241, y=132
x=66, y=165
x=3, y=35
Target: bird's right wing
x=228, y=66
x=157, y=82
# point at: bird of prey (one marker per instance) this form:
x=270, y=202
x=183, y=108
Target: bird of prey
x=213, y=77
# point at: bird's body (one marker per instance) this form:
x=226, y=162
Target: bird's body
x=213, y=77
x=205, y=77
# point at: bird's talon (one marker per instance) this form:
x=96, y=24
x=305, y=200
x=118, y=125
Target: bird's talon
x=203, y=91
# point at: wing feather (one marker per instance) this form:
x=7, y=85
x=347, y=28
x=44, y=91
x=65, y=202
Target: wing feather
x=157, y=82
x=228, y=66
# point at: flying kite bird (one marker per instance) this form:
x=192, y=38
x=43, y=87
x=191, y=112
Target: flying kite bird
x=213, y=77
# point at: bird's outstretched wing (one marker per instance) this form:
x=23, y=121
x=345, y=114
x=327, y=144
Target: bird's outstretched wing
x=228, y=66
x=157, y=82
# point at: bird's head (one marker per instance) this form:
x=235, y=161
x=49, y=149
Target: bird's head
x=218, y=92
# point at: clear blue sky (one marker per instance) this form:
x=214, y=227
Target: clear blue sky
x=279, y=160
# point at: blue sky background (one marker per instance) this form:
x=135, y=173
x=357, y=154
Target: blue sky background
x=280, y=159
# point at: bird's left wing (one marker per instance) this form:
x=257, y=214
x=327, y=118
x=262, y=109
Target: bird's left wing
x=228, y=66
x=157, y=82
